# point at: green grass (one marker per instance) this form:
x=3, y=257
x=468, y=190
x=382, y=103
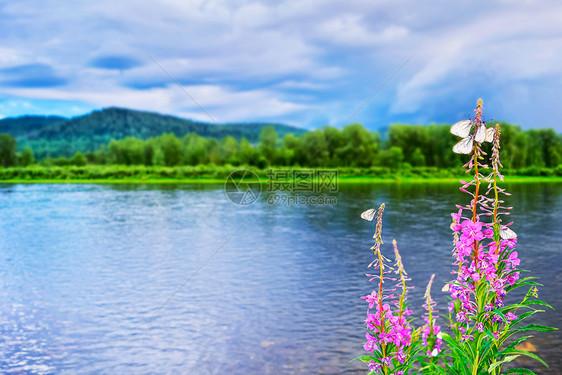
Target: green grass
x=156, y=180
x=211, y=174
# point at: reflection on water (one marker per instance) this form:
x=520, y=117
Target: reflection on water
x=84, y=270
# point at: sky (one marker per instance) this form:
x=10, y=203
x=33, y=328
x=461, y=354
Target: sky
x=307, y=63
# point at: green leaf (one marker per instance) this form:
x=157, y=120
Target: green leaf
x=500, y=313
x=505, y=360
x=519, y=285
x=512, y=307
x=454, y=345
x=518, y=341
x=536, y=327
x=520, y=371
x=537, y=302
x=526, y=353
x=523, y=316
x=451, y=370
x=364, y=358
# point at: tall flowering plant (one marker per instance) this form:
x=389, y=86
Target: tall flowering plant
x=483, y=332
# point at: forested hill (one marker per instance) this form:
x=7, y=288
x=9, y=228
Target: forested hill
x=24, y=126
x=58, y=136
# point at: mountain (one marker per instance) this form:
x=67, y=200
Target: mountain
x=58, y=136
x=24, y=125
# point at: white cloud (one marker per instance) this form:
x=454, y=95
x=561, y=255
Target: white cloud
x=504, y=47
x=350, y=31
x=241, y=58
x=10, y=57
x=222, y=104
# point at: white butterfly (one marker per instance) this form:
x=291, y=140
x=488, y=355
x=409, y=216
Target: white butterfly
x=490, y=133
x=464, y=146
x=507, y=234
x=480, y=135
x=462, y=128
x=369, y=215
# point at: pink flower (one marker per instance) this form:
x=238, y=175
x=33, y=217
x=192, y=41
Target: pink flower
x=372, y=321
x=488, y=233
x=401, y=356
x=511, y=243
x=513, y=278
x=371, y=344
x=374, y=367
x=371, y=298
x=472, y=230
x=386, y=361
x=512, y=259
x=456, y=221
x=510, y=316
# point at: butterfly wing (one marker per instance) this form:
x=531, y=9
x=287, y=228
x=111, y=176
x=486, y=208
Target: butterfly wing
x=464, y=146
x=369, y=215
x=490, y=133
x=462, y=128
x=507, y=234
x=480, y=135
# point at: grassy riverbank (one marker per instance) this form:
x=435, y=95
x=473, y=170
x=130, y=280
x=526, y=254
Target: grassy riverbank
x=210, y=174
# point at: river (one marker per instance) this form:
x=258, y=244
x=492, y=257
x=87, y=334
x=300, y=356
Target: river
x=146, y=279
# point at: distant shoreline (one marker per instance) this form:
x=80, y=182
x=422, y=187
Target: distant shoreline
x=212, y=174
x=342, y=179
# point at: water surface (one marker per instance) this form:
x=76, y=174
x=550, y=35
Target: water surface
x=177, y=279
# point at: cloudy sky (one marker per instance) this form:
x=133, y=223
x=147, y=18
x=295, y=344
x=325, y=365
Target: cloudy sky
x=305, y=62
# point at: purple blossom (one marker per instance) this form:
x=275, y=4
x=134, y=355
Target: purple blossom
x=374, y=367
x=371, y=344
x=471, y=231
x=512, y=259
x=371, y=298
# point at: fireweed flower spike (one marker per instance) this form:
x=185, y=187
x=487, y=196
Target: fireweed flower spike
x=487, y=268
x=431, y=333
x=481, y=327
x=389, y=335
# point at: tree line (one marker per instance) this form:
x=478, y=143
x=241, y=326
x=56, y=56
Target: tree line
x=352, y=146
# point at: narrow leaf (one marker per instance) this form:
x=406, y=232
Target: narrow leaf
x=520, y=371
x=536, y=327
x=505, y=360
x=537, y=302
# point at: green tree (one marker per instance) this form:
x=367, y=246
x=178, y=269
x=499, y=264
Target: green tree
x=288, y=150
x=228, y=149
x=359, y=147
x=247, y=155
x=408, y=138
x=158, y=157
x=534, y=155
x=26, y=157
x=171, y=147
x=194, y=149
x=213, y=151
x=314, y=151
x=438, y=148
x=335, y=141
x=268, y=143
x=8, y=155
x=392, y=158
x=78, y=159
x=128, y=151
x=417, y=158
